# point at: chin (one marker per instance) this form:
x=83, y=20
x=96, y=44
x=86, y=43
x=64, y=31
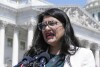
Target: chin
x=50, y=41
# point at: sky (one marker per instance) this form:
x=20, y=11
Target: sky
x=80, y=3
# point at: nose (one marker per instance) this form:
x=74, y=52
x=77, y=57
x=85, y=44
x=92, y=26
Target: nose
x=47, y=27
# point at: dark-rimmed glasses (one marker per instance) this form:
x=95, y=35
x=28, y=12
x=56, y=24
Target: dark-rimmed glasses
x=42, y=25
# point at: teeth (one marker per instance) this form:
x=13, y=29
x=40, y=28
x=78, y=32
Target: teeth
x=50, y=34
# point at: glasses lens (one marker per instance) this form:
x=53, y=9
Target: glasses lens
x=52, y=23
x=41, y=26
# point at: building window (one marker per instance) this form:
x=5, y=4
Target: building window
x=93, y=14
x=99, y=16
x=9, y=42
x=22, y=45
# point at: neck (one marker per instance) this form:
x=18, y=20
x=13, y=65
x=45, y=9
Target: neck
x=54, y=50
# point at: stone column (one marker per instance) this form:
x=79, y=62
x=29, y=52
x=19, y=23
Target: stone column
x=2, y=43
x=30, y=36
x=31, y=27
x=15, y=47
x=97, y=56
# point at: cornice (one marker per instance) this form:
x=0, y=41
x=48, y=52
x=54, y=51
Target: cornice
x=18, y=8
x=5, y=6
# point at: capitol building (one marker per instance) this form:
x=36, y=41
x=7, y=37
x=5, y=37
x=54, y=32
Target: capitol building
x=18, y=19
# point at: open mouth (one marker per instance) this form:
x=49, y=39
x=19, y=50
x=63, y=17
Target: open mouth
x=50, y=35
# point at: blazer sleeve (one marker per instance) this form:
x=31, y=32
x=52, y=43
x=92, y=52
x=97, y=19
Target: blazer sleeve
x=88, y=60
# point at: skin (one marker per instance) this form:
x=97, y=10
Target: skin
x=57, y=30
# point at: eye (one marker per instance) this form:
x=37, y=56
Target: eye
x=52, y=23
x=41, y=26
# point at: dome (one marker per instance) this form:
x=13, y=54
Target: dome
x=89, y=1
x=93, y=7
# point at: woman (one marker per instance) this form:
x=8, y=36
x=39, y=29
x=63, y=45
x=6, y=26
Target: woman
x=55, y=36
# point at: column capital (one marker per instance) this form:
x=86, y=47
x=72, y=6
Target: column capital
x=16, y=28
x=94, y=46
x=31, y=22
x=84, y=43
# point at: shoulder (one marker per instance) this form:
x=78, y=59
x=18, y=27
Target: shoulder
x=83, y=51
x=87, y=57
x=83, y=54
x=84, y=58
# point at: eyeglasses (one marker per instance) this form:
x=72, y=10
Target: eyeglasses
x=42, y=25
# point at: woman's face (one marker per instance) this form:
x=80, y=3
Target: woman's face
x=52, y=30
